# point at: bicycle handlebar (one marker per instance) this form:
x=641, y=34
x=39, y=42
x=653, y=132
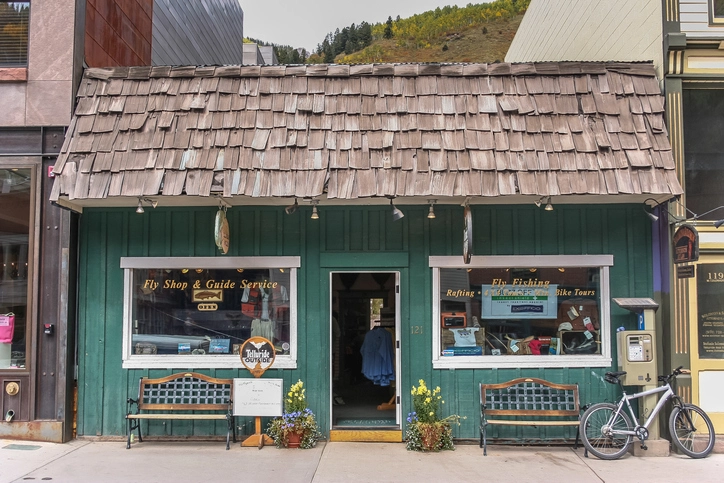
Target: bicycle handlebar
x=679, y=370
x=614, y=377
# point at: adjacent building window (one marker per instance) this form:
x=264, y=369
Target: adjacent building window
x=521, y=311
x=197, y=312
x=16, y=199
x=704, y=151
x=14, y=20
x=716, y=12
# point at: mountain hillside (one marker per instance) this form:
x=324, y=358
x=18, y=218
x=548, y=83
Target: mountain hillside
x=474, y=33
x=476, y=43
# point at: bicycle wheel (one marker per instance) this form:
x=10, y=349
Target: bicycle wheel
x=691, y=431
x=600, y=435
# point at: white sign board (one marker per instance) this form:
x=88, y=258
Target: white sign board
x=519, y=302
x=258, y=397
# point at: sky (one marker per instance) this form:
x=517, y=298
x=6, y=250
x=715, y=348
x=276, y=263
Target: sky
x=305, y=24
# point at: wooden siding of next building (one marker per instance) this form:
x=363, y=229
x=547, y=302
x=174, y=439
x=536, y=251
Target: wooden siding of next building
x=118, y=33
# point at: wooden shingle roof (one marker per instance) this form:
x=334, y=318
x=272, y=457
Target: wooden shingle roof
x=376, y=130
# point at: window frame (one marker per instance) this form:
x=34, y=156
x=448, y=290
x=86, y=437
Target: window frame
x=602, y=262
x=206, y=361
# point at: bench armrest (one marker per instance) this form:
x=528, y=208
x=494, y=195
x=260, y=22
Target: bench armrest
x=130, y=402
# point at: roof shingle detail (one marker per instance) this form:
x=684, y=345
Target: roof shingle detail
x=358, y=131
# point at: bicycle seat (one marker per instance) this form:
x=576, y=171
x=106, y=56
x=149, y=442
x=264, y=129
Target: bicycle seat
x=612, y=377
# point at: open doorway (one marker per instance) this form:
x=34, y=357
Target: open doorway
x=364, y=358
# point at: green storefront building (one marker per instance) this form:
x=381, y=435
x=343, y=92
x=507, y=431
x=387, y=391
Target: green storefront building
x=458, y=223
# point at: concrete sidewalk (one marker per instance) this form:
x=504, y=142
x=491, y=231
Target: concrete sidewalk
x=90, y=461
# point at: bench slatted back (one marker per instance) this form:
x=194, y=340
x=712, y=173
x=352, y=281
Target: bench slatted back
x=530, y=397
x=185, y=391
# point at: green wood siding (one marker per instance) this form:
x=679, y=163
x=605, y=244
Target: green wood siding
x=344, y=238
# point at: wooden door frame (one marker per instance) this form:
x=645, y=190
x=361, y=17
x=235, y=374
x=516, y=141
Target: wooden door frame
x=330, y=271
x=698, y=364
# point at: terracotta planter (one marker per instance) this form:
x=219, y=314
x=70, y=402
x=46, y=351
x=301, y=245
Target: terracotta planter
x=431, y=436
x=294, y=440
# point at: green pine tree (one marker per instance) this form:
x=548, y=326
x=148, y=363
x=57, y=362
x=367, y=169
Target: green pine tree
x=388, y=28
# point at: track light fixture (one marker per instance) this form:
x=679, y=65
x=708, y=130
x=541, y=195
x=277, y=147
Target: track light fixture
x=672, y=218
x=544, y=199
x=142, y=200
x=292, y=208
x=396, y=212
x=315, y=213
x=431, y=212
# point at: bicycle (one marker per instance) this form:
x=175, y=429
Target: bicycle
x=607, y=432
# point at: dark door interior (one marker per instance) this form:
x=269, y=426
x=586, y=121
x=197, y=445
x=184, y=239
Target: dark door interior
x=363, y=352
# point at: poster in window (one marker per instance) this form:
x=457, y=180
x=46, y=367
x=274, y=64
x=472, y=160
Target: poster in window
x=710, y=288
x=519, y=302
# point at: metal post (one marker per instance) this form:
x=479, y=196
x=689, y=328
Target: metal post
x=648, y=403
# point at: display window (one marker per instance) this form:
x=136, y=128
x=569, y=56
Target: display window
x=521, y=311
x=197, y=312
x=16, y=199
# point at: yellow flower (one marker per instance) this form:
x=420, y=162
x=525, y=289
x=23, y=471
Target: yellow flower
x=431, y=413
x=427, y=400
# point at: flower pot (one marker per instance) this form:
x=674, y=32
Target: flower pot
x=431, y=436
x=294, y=440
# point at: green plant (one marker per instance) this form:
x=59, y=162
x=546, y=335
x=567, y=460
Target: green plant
x=296, y=400
x=426, y=431
x=297, y=418
x=426, y=402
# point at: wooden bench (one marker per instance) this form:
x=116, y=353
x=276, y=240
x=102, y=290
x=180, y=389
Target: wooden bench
x=174, y=396
x=528, y=402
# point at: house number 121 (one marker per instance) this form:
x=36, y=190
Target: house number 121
x=416, y=329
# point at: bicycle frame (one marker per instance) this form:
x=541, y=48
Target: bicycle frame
x=668, y=393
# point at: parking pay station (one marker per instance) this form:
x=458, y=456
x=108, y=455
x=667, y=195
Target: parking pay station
x=637, y=356
x=637, y=353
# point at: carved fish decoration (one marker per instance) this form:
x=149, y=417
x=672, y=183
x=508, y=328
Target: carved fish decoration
x=221, y=231
x=208, y=295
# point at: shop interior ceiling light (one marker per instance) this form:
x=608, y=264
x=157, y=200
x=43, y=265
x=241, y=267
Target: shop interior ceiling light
x=396, y=212
x=431, y=212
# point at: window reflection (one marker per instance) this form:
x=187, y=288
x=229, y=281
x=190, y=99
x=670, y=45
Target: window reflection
x=14, y=21
x=520, y=311
x=15, y=187
x=209, y=311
